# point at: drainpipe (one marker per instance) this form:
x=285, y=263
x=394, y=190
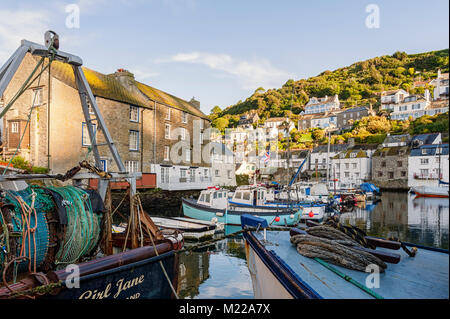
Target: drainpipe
x=48, y=119
x=154, y=133
x=142, y=141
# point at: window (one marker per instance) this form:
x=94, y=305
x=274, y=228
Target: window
x=134, y=141
x=399, y=164
x=168, y=114
x=347, y=165
x=246, y=196
x=166, y=153
x=238, y=195
x=354, y=165
x=207, y=198
x=183, y=175
x=201, y=138
x=424, y=161
x=184, y=117
x=167, y=131
x=14, y=127
x=37, y=97
x=403, y=173
x=220, y=195
x=217, y=172
x=424, y=151
x=104, y=164
x=134, y=113
x=85, y=140
x=383, y=164
x=132, y=166
x=229, y=173
x=192, y=174
x=165, y=175
x=391, y=175
x=347, y=174
x=424, y=172
x=183, y=134
x=380, y=174
x=215, y=195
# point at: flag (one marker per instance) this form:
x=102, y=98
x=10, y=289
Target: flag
x=266, y=157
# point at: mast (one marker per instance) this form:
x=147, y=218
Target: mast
x=289, y=145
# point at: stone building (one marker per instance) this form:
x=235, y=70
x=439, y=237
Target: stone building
x=145, y=123
x=390, y=162
x=346, y=118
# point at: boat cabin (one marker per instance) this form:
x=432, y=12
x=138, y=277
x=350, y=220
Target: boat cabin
x=252, y=196
x=214, y=197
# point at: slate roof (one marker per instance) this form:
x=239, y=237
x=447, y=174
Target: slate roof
x=425, y=138
x=391, y=151
x=429, y=150
x=405, y=138
x=109, y=87
x=333, y=148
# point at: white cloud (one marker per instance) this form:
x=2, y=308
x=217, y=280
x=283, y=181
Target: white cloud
x=21, y=24
x=250, y=74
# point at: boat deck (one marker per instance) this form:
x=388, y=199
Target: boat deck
x=424, y=276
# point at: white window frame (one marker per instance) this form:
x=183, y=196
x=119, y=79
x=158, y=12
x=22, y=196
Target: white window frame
x=136, y=146
x=167, y=131
x=188, y=156
x=168, y=114
x=104, y=163
x=132, y=166
x=166, y=153
x=183, y=134
x=134, y=114
x=14, y=127
x=184, y=117
x=85, y=134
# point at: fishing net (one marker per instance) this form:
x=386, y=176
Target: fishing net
x=24, y=228
x=83, y=230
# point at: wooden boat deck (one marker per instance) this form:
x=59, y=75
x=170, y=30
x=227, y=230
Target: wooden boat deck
x=424, y=276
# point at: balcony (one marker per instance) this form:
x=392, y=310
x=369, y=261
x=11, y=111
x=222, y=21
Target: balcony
x=427, y=176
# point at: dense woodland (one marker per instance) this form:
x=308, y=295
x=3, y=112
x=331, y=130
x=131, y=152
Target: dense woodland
x=358, y=84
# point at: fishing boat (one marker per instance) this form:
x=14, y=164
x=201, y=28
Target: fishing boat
x=57, y=241
x=278, y=271
x=191, y=229
x=213, y=204
x=429, y=191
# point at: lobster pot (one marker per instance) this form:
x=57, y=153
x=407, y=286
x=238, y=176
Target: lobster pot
x=25, y=230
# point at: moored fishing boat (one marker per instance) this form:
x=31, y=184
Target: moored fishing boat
x=213, y=204
x=429, y=191
x=191, y=229
x=279, y=271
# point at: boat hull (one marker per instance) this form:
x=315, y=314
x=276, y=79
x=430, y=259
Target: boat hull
x=233, y=217
x=140, y=280
x=436, y=192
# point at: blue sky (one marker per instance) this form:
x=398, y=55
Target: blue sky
x=221, y=51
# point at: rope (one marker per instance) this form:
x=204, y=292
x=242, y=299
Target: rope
x=353, y=232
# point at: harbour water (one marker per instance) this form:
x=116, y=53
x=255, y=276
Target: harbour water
x=220, y=271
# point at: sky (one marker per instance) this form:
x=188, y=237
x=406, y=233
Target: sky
x=221, y=51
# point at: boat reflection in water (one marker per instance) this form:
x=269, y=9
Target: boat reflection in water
x=217, y=271
x=420, y=220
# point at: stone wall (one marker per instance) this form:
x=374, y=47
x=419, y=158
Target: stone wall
x=156, y=202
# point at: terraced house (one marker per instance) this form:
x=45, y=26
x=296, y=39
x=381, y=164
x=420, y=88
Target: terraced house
x=146, y=125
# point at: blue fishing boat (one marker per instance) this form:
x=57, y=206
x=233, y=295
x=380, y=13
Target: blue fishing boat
x=279, y=271
x=212, y=204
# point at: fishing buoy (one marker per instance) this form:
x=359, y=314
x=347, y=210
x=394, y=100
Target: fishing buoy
x=311, y=214
x=277, y=219
x=291, y=216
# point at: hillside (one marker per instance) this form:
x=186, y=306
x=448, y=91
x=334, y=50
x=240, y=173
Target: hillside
x=358, y=84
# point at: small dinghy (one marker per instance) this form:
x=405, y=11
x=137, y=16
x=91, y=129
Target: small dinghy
x=192, y=229
x=429, y=191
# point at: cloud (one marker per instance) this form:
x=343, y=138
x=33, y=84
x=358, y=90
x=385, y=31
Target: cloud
x=21, y=24
x=250, y=74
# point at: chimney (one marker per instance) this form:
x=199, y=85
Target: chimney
x=125, y=77
x=195, y=103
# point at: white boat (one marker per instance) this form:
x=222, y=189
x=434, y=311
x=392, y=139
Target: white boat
x=191, y=228
x=430, y=191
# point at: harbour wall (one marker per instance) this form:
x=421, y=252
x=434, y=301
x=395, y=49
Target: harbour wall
x=155, y=202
